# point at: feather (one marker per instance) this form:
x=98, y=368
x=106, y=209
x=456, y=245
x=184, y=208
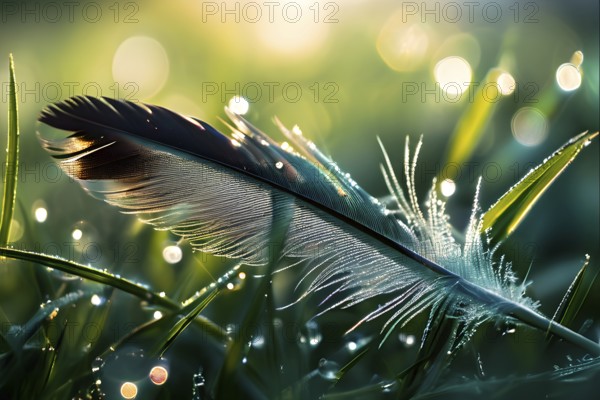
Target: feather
x=225, y=194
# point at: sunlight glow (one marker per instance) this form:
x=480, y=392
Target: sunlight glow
x=403, y=48
x=294, y=29
x=141, y=63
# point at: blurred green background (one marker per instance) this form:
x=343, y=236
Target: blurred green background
x=345, y=72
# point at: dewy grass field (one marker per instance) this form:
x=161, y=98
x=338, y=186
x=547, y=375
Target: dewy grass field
x=253, y=265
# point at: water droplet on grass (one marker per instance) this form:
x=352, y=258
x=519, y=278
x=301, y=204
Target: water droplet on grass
x=328, y=370
x=310, y=334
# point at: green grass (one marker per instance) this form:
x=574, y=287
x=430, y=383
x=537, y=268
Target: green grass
x=221, y=328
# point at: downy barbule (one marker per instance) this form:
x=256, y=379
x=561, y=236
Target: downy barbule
x=234, y=195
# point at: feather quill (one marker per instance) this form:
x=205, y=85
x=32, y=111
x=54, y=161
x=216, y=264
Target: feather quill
x=225, y=193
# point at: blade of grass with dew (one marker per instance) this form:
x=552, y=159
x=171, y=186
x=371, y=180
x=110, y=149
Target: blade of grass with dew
x=19, y=335
x=92, y=274
x=435, y=350
x=106, y=278
x=183, y=323
x=50, y=363
x=191, y=311
x=281, y=220
x=42, y=281
x=569, y=379
x=144, y=336
x=9, y=192
x=576, y=295
x=504, y=216
x=350, y=364
x=470, y=127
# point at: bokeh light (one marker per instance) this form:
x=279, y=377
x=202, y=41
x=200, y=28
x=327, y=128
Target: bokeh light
x=506, y=83
x=447, y=187
x=529, y=126
x=129, y=390
x=238, y=105
x=403, y=47
x=172, y=254
x=568, y=77
x=143, y=62
x=453, y=74
x=41, y=214
x=96, y=300
x=158, y=375
x=292, y=30
x=77, y=234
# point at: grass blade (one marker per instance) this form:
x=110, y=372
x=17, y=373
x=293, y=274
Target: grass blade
x=107, y=278
x=191, y=311
x=471, y=126
x=505, y=215
x=92, y=274
x=9, y=192
x=576, y=294
x=22, y=334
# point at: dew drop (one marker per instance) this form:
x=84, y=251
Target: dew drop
x=407, y=340
x=310, y=334
x=97, y=364
x=328, y=370
x=480, y=365
x=285, y=146
x=258, y=341
x=97, y=300
x=278, y=165
x=198, y=385
x=389, y=386
x=230, y=329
